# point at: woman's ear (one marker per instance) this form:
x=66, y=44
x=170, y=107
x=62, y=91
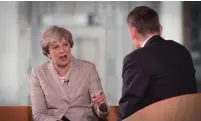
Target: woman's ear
x=48, y=55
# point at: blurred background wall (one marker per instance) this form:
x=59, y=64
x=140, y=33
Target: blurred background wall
x=100, y=34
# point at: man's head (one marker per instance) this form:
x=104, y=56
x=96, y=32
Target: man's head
x=143, y=22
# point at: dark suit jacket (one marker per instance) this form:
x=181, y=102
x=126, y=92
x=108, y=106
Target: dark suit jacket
x=160, y=70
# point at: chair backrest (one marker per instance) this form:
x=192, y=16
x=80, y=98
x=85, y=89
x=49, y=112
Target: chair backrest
x=113, y=113
x=15, y=113
x=180, y=108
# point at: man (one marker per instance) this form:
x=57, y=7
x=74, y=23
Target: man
x=158, y=69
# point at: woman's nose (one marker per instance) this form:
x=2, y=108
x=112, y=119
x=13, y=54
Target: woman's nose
x=61, y=50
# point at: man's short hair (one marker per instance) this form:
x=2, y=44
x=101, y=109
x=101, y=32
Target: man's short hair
x=144, y=19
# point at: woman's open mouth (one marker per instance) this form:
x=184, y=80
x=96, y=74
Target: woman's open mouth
x=64, y=57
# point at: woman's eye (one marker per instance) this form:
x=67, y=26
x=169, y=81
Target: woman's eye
x=54, y=47
x=66, y=44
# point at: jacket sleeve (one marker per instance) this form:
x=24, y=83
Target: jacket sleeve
x=135, y=83
x=39, y=109
x=94, y=87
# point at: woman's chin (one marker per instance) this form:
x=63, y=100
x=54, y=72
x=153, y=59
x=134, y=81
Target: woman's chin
x=63, y=65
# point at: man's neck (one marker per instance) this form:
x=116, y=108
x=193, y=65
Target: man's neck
x=146, y=39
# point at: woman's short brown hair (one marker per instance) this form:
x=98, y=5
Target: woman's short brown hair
x=53, y=34
x=144, y=19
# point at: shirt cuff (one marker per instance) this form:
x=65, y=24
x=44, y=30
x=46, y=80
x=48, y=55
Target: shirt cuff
x=105, y=112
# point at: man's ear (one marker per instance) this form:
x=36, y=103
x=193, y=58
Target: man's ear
x=132, y=32
x=161, y=29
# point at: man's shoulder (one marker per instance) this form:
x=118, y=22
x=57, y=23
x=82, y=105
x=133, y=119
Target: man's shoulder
x=178, y=45
x=136, y=54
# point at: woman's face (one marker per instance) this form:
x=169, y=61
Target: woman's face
x=60, y=53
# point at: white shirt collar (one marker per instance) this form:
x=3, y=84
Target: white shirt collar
x=62, y=79
x=143, y=44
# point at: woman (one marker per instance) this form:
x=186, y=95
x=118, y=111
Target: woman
x=65, y=87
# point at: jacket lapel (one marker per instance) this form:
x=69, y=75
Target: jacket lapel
x=55, y=82
x=73, y=76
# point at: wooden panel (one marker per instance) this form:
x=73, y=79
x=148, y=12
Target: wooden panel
x=113, y=113
x=15, y=113
x=186, y=25
x=181, y=108
x=23, y=113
